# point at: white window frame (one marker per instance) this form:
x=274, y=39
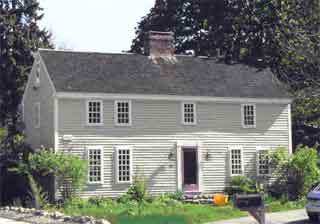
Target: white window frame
x=37, y=121
x=116, y=113
x=101, y=112
x=236, y=147
x=101, y=163
x=194, y=113
x=117, y=148
x=258, y=150
x=254, y=115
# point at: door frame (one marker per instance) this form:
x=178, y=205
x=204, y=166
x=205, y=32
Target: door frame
x=188, y=144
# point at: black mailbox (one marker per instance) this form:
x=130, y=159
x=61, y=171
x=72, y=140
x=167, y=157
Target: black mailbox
x=243, y=201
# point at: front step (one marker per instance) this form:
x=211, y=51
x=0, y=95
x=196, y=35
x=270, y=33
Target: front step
x=197, y=198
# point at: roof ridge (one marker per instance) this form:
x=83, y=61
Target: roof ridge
x=85, y=52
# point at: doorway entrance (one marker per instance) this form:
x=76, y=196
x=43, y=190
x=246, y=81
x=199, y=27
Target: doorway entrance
x=190, y=169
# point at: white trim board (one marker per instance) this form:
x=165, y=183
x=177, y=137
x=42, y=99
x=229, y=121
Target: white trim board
x=116, y=96
x=290, y=130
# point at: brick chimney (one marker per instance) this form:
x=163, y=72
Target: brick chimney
x=159, y=44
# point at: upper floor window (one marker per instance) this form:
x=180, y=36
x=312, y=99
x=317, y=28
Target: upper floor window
x=94, y=112
x=123, y=113
x=263, y=162
x=37, y=115
x=95, y=167
x=248, y=115
x=236, y=160
x=124, y=164
x=189, y=116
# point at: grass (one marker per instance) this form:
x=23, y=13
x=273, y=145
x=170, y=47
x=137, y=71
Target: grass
x=118, y=213
x=168, y=212
x=284, y=205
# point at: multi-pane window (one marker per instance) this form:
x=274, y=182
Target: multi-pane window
x=248, y=115
x=94, y=112
x=36, y=115
x=124, y=164
x=236, y=167
x=123, y=113
x=95, y=165
x=189, y=113
x=263, y=162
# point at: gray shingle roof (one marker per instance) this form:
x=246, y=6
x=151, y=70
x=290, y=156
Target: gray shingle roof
x=138, y=74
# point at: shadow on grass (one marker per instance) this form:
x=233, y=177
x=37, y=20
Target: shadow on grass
x=154, y=219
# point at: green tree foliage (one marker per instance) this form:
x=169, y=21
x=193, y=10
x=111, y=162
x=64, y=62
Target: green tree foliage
x=280, y=34
x=70, y=170
x=20, y=37
x=296, y=172
x=306, y=121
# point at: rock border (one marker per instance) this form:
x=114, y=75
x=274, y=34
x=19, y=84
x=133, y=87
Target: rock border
x=55, y=215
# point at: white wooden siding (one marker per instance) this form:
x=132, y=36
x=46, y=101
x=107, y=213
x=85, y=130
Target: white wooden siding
x=156, y=128
x=43, y=136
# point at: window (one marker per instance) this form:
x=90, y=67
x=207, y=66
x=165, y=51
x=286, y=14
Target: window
x=189, y=113
x=124, y=164
x=236, y=166
x=248, y=116
x=263, y=162
x=36, y=115
x=95, y=155
x=123, y=113
x=94, y=112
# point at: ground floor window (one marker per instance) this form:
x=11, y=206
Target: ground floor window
x=95, y=155
x=263, y=162
x=124, y=164
x=236, y=165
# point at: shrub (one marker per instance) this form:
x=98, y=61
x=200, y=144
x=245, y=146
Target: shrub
x=70, y=170
x=137, y=190
x=242, y=185
x=295, y=173
x=76, y=202
x=137, y=193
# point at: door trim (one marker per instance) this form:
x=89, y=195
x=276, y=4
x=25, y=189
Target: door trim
x=188, y=144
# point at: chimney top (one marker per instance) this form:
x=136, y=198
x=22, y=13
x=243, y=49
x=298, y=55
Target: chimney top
x=159, y=44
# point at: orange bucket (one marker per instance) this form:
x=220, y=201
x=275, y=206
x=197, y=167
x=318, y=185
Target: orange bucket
x=220, y=199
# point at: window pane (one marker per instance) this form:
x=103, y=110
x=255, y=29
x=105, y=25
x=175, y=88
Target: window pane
x=124, y=165
x=263, y=162
x=94, y=165
x=123, y=112
x=249, y=115
x=94, y=112
x=189, y=113
x=236, y=163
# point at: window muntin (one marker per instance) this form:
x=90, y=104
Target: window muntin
x=123, y=113
x=236, y=165
x=189, y=113
x=124, y=164
x=36, y=115
x=94, y=112
x=248, y=115
x=263, y=162
x=95, y=155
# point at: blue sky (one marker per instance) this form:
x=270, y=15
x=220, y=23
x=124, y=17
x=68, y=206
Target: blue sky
x=94, y=25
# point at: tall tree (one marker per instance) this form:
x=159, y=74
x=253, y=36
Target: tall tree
x=281, y=34
x=20, y=37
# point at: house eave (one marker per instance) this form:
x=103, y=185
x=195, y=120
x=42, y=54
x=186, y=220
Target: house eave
x=114, y=96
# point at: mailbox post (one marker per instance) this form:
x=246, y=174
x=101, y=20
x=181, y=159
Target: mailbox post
x=252, y=203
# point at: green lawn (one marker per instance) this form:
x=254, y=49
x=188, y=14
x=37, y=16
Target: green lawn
x=157, y=214
x=165, y=213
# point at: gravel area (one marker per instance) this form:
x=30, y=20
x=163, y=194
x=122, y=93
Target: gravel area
x=44, y=217
x=31, y=218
